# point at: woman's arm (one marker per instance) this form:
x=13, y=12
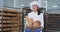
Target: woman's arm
x=29, y=21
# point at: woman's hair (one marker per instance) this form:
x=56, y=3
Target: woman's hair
x=38, y=10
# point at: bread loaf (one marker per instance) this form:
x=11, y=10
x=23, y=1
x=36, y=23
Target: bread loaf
x=36, y=24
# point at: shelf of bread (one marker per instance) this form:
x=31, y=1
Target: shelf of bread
x=10, y=20
x=16, y=31
x=10, y=11
x=0, y=21
x=14, y=25
x=12, y=15
x=53, y=21
x=15, y=28
x=0, y=29
x=10, y=25
x=0, y=13
x=6, y=29
x=3, y=17
x=7, y=26
x=1, y=9
x=0, y=25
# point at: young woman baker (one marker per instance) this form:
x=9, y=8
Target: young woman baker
x=35, y=18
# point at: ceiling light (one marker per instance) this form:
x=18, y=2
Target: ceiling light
x=21, y=5
x=54, y=6
x=45, y=1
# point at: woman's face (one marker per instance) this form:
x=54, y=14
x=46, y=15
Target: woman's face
x=35, y=7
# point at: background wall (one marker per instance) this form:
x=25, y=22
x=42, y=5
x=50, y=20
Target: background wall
x=53, y=6
x=1, y=3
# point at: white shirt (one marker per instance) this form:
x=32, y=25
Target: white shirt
x=37, y=17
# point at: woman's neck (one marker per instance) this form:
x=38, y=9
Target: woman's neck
x=35, y=11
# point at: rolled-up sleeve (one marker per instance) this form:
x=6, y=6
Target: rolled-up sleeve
x=29, y=15
x=42, y=20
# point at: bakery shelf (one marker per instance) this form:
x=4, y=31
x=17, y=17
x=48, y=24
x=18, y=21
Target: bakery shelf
x=10, y=20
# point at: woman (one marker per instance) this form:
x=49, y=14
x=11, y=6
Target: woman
x=35, y=18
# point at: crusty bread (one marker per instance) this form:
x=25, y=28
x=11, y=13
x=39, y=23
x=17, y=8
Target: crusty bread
x=36, y=24
x=31, y=23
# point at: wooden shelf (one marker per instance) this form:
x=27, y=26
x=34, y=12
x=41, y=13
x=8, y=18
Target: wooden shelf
x=53, y=22
x=14, y=29
x=9, y=20
x=6, y=29
x=10, y=11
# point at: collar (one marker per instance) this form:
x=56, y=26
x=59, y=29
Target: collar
x=35, y=13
